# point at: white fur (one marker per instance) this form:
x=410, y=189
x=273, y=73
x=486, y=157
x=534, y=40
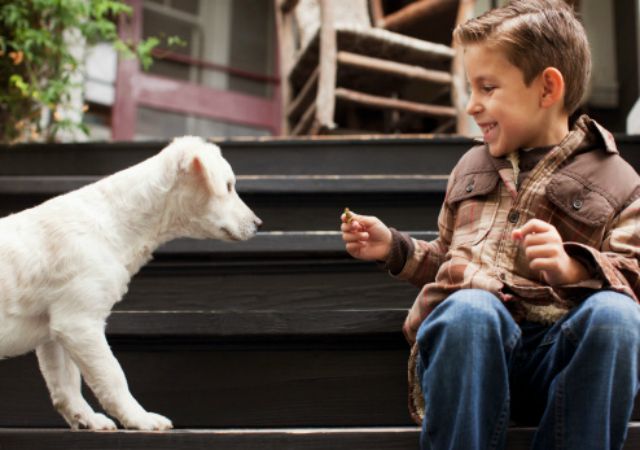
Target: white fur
x=66, y=262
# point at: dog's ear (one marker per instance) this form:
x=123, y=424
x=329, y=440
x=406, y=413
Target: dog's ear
x=199, y=172
x=204, y=177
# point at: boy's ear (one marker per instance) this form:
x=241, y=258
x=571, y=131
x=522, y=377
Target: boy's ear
x=552, y=87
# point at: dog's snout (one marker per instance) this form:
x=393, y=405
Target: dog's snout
x=257, y=222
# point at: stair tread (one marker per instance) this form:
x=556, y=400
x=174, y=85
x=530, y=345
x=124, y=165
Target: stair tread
x=398, y=438
x=272, y=242
x=51, y=185
x=338, y=154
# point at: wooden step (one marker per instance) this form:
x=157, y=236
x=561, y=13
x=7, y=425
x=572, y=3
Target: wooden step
x=223, y=439
x=283, y=202
x=263, y=156
x=383, y=438
x=332, y=155
x=209, y=382
x=199, y=382
x=292, y=184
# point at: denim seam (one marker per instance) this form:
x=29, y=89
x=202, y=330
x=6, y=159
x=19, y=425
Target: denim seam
x=567, y=330
x=498, y=431
x=513, y=340
x=559, y=413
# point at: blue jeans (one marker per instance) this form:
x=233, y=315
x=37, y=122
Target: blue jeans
x=576, y=380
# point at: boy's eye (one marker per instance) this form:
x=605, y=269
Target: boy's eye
x=487, y=88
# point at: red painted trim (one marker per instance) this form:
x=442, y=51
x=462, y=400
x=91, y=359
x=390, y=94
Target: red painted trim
x=188, y=98
x=135, y=88
x=187, y=60
x=123, y=113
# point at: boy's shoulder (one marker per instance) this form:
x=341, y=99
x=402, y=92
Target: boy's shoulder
x=599, y=166
x=475, y=160
x=602, y=171
x=474, y=174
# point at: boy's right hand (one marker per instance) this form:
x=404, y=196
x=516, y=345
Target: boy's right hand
x=366, y=237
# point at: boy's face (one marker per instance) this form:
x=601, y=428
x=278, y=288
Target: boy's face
x=508, y=112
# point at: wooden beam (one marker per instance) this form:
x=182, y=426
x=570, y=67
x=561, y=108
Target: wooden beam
x=394, y=68
x=449, y=124
x=415, y=12
x=375, y=101
x=286, y=50
x=458, y=84
x=286, y=6
x=377, y=13
x=304, y=97
x=325, y=101
x=305, y=121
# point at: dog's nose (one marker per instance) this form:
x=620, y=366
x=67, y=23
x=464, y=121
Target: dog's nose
x=258, y=222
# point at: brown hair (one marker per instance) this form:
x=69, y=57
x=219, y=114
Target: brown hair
x=534, y=35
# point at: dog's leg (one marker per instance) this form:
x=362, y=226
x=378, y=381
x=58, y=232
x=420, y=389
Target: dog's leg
x=85, y=341
x=63, y=380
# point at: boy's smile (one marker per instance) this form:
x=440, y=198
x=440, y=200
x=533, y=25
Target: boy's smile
x=510, y=114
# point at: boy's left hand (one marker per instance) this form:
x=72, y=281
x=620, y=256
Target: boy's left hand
x=545, y=251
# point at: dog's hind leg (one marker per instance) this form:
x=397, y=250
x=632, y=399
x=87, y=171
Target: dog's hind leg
x=85, y=341
x=65, y=386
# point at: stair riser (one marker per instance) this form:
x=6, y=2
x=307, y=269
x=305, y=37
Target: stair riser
x=247, y=385
x=377, y=156
x=254, y=386
x=294, y=286
x=361, y=156
x=293, y=212
x=306, y=439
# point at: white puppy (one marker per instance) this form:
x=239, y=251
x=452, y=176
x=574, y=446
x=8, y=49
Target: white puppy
x=65, y=263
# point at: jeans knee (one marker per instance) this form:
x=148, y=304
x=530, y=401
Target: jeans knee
x=467, y=315
x=609, y=317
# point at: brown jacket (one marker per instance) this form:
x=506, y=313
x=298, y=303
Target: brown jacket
x=581, y=186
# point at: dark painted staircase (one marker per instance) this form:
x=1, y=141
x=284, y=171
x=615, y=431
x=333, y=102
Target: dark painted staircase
x=281, y=342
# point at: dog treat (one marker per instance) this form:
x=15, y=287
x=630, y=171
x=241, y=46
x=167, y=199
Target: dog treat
x=348, y=215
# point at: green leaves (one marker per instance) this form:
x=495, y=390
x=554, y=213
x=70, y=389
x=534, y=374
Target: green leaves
x=37, y=58
x=19, y=83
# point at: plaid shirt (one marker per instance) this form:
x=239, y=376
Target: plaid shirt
x=581, y=186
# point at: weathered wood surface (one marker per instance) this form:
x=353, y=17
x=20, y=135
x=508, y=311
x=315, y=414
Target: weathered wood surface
x=383, y=438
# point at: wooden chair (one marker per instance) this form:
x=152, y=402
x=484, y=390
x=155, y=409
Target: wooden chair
x=341, y=74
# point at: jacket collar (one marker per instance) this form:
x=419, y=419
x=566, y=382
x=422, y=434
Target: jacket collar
x=594, y=130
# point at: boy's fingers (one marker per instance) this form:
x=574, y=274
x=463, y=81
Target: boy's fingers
x=540, y=264
x=535, y=239
x=355, y=237
x=350, y=227
x=541, y=251
x=533, y=226
x=353, y=246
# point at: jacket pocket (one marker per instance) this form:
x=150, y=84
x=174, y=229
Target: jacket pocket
x=474, y=199
x=579, y=200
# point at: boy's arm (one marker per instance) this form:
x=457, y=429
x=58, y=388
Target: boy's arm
x=418, y=261
x=616, y=262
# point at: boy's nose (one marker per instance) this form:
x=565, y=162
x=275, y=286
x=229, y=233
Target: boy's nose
x=473, y=107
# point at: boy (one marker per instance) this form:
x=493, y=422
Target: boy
x=528, y=306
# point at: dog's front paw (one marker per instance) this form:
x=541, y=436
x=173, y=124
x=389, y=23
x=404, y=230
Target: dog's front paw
x=148, y=421
x=92, y=421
